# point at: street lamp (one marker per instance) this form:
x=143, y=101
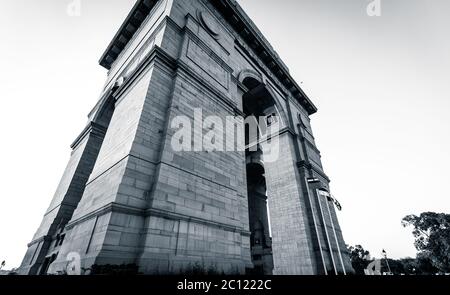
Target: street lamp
x=385, y=258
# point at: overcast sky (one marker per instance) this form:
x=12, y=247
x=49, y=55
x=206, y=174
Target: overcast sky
x=381, y=85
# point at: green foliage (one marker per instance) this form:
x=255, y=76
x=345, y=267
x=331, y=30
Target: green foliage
x=360, y=258
x=421, y=265
x=409, y=266
x=432, y=239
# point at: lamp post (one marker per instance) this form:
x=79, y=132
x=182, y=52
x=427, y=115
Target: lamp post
x=385, y=258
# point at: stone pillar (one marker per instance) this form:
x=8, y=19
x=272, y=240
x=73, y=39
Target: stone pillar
x=291, y=236
x=197, y=216
x=106, y=225
x=66, y=198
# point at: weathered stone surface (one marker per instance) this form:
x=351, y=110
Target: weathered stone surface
x=128, y=198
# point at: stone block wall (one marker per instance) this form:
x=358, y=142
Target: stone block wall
x=134, y=200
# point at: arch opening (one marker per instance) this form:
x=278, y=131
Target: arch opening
x=258, y=103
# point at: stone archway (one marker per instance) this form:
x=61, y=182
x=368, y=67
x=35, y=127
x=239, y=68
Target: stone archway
x=258, y=103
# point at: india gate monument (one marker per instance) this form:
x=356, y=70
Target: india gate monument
x=141, y=188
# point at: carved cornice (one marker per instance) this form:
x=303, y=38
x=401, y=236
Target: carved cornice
x=310, y=166
x=176, y=216
x=158, y=55
x=120, y=208
x=240, y=22
x=111, y=207
x=130, y=26
x=92, y=128
x=40, y=239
